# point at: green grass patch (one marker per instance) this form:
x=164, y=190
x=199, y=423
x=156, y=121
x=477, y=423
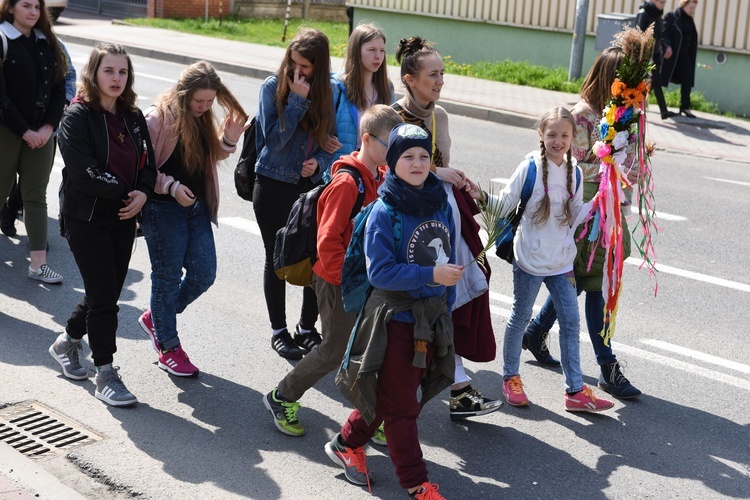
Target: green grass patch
x=261, y=31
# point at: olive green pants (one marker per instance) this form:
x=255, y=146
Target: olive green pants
x=33, y=167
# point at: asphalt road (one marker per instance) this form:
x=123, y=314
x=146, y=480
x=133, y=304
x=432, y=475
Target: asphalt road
x=210, y=437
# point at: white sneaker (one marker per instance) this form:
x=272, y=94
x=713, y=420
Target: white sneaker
x=45, y=274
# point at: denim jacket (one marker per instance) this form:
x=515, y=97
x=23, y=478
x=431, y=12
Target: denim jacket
x=283, y=149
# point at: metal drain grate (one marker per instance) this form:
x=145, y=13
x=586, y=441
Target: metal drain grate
x=40, y=432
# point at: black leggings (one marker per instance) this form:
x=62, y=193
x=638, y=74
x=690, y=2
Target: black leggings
x=272, y=202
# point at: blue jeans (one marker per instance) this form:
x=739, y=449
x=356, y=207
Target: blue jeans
x=178, y=238
x=562, y=290
x=594, y=321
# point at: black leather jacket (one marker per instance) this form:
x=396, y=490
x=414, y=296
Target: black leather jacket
x=647, y=15
x=84, y=145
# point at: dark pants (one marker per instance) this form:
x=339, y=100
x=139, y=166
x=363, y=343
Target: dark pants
x=397, y=405
x=658, y=91
x=102, y=249
x=336, y=328
x=272, y=202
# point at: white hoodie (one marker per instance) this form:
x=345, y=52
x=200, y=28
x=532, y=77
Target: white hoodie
x=548, y=249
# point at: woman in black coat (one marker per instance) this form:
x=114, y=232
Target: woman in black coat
x=681, y=38
x=650, y=13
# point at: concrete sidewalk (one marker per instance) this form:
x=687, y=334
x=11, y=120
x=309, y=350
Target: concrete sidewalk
x=708, y=136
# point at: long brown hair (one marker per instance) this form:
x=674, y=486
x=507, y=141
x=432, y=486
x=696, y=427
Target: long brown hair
x=195, y=132
x=542, y=213
x=44, y=25
x=88, y=89
x=354, y=79
x=596, y=87
x=319, y=118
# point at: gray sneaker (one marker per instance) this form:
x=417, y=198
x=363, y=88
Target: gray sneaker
x=45, y=274
x=352, y=460
x=66, y=353
x=111, y=390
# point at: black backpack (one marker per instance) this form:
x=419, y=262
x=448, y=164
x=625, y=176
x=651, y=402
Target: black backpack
x=296, y=248
x=244, y=173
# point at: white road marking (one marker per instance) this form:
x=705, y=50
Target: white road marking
x=663, y=268
x=684, y=351
x=647, y=355
x=156, y=77
x=728, y=181
x=241, y=223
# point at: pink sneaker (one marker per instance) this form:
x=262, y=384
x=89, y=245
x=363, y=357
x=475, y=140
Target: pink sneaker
x=148, y=326
x=176, y=362
x=584, y=400
x=513, y=392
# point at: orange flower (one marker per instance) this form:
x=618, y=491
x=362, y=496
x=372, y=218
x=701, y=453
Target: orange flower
x=618, y=88
x=642, y=87
x=632, y=97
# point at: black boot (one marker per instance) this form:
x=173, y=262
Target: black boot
x=614, y=382
x=535, y=340
x=7, y=221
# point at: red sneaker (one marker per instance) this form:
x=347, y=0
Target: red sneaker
x=176, y=362
x=513, y=392
x=585, y=400
x=148, y=326
x=428, y=491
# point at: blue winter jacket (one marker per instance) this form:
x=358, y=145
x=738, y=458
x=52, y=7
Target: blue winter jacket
x=347, y=119
x=284, y=148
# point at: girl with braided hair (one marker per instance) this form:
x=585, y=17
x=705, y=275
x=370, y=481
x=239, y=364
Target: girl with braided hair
x=545, y=249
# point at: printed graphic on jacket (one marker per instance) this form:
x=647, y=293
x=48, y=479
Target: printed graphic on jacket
x=429, y=244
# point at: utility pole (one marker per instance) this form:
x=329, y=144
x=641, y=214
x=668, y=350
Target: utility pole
x=306, y=9
x=579, y=40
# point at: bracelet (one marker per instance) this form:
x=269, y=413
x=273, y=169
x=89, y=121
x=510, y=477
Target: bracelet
x=228, y=142
x=173, y=189
x=168, y=186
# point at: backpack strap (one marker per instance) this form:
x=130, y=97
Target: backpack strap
x=360, y=189
x=528, y=185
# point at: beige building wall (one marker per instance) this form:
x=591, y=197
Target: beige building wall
x=722, y=24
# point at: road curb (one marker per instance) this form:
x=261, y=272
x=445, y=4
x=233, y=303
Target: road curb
x=30, y=477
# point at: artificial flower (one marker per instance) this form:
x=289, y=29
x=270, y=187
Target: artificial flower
x=617, y=88
x=620, y=139
x=601, y=149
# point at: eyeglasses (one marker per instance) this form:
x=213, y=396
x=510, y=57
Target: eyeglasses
x=380, y=140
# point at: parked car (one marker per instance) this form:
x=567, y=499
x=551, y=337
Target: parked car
x=55, y=8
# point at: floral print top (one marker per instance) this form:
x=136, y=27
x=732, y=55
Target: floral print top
x=587, y=133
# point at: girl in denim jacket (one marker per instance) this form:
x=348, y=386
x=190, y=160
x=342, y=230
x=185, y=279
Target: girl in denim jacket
x=296, y=123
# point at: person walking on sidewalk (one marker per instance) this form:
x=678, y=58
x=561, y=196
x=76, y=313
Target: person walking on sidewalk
x=405, y=337
x=336, y=206
x=34, y=69
x=544, y=252
x=109, y=174
x=680, y=37
x=650, y=13
x=588, y=113
x=177, y=219
x=296, y=120
x=474, y=338
x=362, y=83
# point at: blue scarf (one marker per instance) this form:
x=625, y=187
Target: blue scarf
x=410, y=200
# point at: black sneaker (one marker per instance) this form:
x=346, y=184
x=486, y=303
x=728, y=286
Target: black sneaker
x=612, y=380
x=471, y=403
x=284, y=414
x=307, y=340
x=535, y=340
x=285, y=346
